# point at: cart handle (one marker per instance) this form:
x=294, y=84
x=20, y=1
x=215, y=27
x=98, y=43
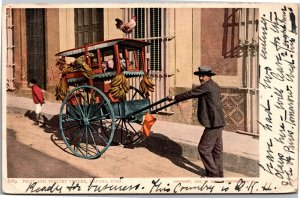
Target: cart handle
x=152, y=105
x=163, y=107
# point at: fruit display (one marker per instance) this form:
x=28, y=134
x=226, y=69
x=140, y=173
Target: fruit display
x=78, y=65
x=61, y=90
x=146, y=86
x=119, y=87
x=81, y=65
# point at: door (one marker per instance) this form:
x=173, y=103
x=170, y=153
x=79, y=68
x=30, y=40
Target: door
x=35, y=34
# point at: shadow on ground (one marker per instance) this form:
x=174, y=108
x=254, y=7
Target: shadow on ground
x=156, y=143
x=25, y=162
x=51, y=126
x=167, y=148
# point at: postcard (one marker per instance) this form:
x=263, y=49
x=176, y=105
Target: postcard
x=151, y=98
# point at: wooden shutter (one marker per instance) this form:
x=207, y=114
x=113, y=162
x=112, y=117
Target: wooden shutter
x=88, y=26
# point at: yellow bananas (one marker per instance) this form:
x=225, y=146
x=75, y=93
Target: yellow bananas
x=63, y=66
x=146, y=85
x=87, y=71
x=119, y=87
x=61, y=90
x=78, y=65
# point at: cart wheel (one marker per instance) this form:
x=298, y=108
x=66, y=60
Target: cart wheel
x=128, y=132
x=83, y=113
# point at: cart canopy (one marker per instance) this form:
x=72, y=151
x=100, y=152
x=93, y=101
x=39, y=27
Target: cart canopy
x=131, y=44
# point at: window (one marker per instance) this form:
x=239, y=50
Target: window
x=155, y=32
x=88, y=26
x=150, y=27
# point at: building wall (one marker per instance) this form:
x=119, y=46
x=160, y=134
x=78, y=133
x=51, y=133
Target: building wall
x=110, y=31
x=198, y=41
x=20, y=50
x=66, y=28
x=52, y=47
x=195, y=41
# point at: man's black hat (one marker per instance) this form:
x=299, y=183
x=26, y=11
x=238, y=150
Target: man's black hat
x=204, y=70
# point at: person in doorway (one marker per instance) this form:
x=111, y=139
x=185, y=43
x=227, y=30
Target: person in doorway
x=211, y=116
x=38, y=99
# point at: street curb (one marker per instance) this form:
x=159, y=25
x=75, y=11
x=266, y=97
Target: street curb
x=232, y=162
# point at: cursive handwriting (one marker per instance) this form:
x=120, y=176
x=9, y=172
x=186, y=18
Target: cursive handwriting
x=268, y=119
x=279, y=103
x=112, y=188
x=204, y=187
x=278, y=99
x=269, y=166
x=157, y=187
x=34, y=188
x=263, y=38
x=267, y=187
x=291, y=109
x=267, y=79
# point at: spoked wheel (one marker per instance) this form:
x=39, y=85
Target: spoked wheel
x=81, y=121
x=128, y=132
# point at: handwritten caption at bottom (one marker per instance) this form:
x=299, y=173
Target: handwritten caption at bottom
x=154, y=186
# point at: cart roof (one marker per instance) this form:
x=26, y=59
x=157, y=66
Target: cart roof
x=129, y=43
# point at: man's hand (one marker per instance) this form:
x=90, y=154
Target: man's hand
x=170, y=98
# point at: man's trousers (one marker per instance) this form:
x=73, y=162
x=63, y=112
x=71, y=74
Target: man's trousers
x=211, y=151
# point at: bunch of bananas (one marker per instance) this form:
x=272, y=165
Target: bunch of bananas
x=87, y=71
x=78, y=65
x=146, y=85
x=119, y=86
x=61, y=90
x=63, y=66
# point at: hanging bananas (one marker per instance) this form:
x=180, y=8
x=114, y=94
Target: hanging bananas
x=146, y=85
x=87, y=71
x=61, y=90
x=119, y=87
x=63, y=66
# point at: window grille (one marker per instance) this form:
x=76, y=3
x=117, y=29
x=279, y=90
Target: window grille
x=151, y=26
x=155, y=31
x=248, y=42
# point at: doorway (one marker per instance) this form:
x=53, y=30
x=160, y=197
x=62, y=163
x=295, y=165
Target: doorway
x=35, y=34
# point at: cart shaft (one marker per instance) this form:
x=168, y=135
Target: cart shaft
x=152, y=105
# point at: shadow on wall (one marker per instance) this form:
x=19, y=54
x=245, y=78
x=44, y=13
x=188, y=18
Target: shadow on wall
x=230, y=47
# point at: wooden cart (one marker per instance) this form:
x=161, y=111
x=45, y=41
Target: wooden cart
x=91, y=118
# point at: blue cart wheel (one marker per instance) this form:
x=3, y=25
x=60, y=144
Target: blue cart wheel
x=82, y=118
x=128, y=132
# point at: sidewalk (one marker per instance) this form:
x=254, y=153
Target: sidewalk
x=241, y=152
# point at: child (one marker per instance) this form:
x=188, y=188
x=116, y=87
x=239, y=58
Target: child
x=38, y=99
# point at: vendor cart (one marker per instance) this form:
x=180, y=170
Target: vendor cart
x=99, y=106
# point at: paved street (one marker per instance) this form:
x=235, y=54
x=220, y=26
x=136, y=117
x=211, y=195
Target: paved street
x=35, y=151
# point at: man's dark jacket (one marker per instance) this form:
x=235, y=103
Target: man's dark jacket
x=210, y=113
